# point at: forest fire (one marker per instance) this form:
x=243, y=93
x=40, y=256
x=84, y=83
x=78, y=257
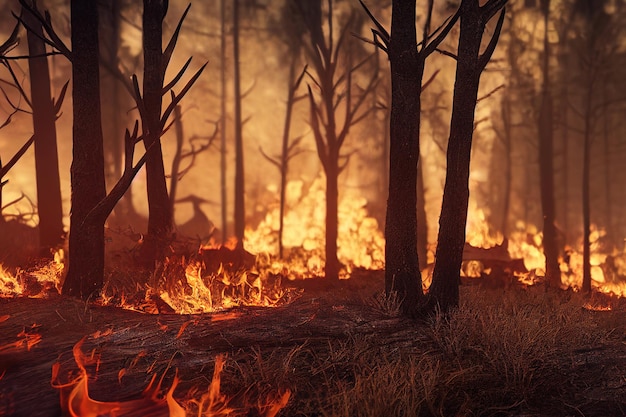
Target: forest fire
x=262, y=207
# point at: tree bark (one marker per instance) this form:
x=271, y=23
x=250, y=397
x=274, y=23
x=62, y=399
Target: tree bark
x=546, y=167
x=49, y=203
x=160, y=213
x=444, y=290
x=86, y=241
x=402, y=273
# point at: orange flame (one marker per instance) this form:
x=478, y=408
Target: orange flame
x=76, y=401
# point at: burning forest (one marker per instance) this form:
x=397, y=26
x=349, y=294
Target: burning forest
x=312, y=208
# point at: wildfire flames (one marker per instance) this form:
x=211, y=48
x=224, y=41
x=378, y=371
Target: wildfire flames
x=155, y=400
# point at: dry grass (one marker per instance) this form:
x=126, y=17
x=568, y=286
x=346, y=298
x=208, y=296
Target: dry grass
x=506, y=355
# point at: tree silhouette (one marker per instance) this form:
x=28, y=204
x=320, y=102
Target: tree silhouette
x=335, y=89
x=45, y=110
x=402, y=273
x=444, y=290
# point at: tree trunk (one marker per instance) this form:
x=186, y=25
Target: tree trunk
x=402, y=273
x=546, y=168
x=332, y=267
x=444, y=290
x=160, y=213
x=49, y=204
x=240, y=208
x=587, y=136
x=422, y=220
x=284, y=159
x=86, y=241
x=223, y=187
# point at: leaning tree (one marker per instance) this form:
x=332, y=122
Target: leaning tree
x=444, y=290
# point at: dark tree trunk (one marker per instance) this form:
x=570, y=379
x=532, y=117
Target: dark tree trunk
x=586, y=195
x=546, y=170
x=160, y=213
x=444, y=290
x=240, y=208
x=223, y=187
x=422, y=221
x=507, y=136
x=86, y=241
x=332, y=267
x=402, y=273
x=49, y=204
x=285, y=154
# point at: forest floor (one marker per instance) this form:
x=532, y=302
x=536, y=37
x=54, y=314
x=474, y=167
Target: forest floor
x=339, y=350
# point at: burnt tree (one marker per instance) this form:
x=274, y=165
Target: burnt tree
x=85, y=274
x=402, y=272
x=240, y=204
x=444, y=290
x=335, y=89
x=159, y=208
x=49, y=203
x=546, y=163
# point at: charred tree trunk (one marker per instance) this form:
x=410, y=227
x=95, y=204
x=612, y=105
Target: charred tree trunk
x=402, y=273
x=240, y=207
x=160, y=213
x=444, y=290
x=86, y=241
x=49, y=204
x=546, y=166
x=586, y=195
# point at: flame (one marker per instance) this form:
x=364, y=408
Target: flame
x=77, y=402
x=37, y=282
x=360, y=242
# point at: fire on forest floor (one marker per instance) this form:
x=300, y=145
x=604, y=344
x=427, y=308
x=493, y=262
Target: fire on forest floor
x=338, y=352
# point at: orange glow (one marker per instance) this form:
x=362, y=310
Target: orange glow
x=360, y=242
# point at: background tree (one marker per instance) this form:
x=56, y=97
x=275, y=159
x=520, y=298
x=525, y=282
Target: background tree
x=334, y=88
x=45, y=110
x=444, y=290
x=546, y=162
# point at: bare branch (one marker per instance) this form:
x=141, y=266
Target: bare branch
x=381, y=33
x=270, y=159
x=429, y=81
x=322, y=151
x=491, y=93
x=169, y=50
x=445, y=29
x=176, y=98
x=11, y=42
x=486, y=56
x=6, y=168
x=176, y=78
